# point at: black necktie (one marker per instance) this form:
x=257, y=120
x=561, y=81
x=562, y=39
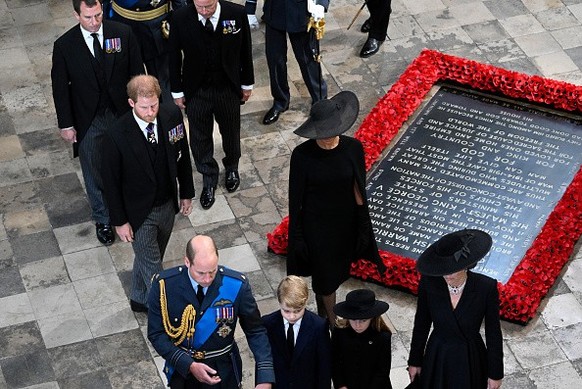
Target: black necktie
x=200, y=294
x=208, y=25
x=97, y=50
x=151, y=137
x=290, y=339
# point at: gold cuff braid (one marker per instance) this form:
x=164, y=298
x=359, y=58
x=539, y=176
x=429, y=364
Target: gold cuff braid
x=186, y=329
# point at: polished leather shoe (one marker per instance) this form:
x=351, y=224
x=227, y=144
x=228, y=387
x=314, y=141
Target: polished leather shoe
x=370, y=48
x=207, y=197
x=232, y=181
x=137, y=307
x=105, y=233
x=272, y=115
x=367, y=26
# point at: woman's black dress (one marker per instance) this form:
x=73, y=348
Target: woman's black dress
x=323, y=214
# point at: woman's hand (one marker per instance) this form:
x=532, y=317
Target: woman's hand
x=493, y=384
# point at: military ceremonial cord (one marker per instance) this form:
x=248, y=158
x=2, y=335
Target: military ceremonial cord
x=186, y=329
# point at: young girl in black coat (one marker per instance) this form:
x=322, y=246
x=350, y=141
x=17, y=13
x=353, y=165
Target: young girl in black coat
x=361, y=343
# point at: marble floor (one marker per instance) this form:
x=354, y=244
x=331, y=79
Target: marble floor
x=65, y=320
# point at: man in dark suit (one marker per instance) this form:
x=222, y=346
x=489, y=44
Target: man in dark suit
x=211, y=72
x=376, y=26
x=92, y=63
x=299, y=340
x=149, y=20
x=290, y=17
x=193, y=315
x=144, y=152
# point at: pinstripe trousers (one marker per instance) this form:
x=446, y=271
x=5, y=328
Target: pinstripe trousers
x=149, y=244
x=90, y=160
x=222, y=104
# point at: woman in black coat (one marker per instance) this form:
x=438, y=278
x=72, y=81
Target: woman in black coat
x=456, y=301
x=329, y=224
x=361, y=343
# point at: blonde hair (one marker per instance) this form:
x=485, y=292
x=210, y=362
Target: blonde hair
x=293, y=292
x=377, y=324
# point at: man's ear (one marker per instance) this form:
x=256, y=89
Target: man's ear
x=186, y=260
x=131, y=103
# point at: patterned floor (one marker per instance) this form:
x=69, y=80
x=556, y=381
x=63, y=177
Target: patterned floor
x=65, y=320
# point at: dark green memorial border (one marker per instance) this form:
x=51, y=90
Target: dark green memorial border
x=490, y=155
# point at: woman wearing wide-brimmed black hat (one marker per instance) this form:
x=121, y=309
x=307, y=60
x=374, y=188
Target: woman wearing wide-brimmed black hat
x=329, y=224
x=456, y=301
x=361, y=343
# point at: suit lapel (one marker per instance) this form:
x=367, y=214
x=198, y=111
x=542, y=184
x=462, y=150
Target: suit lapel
x=84, y=57
x=108, y=57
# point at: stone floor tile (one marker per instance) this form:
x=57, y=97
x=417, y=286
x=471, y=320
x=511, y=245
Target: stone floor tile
x=28, y=369
x=64, y=213
x=20, y=339
x=569, y=38
x=470, y=13
x=14, y=171
x=436, y=20
x=573, y=276
x=96, y=379
x=570, y=340
x=576, y=8
x=501, y=51
x=142, y=374
x=122, y=348
x=521, y=25
x=506, y=9
x=541, y=5
x=264, y=147
x=10, y=148
x=225, y=234
x=556, y=18
x=53, y=301
x=98, y=291
x=539, y=349
x=26, y=221
x=15, y=309
x=554, y=63
x=39, y=142
x=13, y=58
x=240, y=258
x=18, y=197
x=34, y=247
x=274, y=267
x=10, y=282
x=415, y=7
x=44, y=273
x=45, y=385
x=559, y=376
x=76, y=237
x=273, y=169
x=64, y=329
x=278, y=193
x=561, y=311
x=219, y=212
x=250, y=202
x=89, y=263
x=537, y=44
x=110, y=319
x=260, y=285
x=518, y=381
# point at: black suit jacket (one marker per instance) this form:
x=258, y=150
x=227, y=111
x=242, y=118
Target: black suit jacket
x=310, y=365
x=288, y=15
x=75, y=85
x=129, y=182
x=187, y=74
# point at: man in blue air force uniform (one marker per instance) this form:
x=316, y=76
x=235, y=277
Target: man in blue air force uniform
x=193, y=311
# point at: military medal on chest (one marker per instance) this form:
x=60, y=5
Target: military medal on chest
x=224, y=317
x=154, y=3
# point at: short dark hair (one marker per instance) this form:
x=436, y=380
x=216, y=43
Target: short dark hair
x=88, y=3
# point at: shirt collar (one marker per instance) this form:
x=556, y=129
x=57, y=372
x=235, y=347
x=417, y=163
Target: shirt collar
x=214, y=18
x=87, y=34
x=297, y=324
x=142, y=123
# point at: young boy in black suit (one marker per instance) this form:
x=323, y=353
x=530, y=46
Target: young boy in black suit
x=299, y=339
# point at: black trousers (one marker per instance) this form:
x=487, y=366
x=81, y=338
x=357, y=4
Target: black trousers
x=380, y=11
x=220, y=103
x=276, y=51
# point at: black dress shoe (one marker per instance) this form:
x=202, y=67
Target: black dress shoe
x=232, y=181
x=367, y=26
x=137, y=307
x=272, y=115
x=105, y=233
x=207, y=197
x=370, y=48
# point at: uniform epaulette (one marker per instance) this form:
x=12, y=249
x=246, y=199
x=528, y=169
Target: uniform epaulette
x=169, y=273
x=226, y=271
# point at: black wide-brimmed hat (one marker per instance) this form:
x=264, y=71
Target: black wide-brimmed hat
x=360, y=304
x=454, y=252
x=330, y=117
